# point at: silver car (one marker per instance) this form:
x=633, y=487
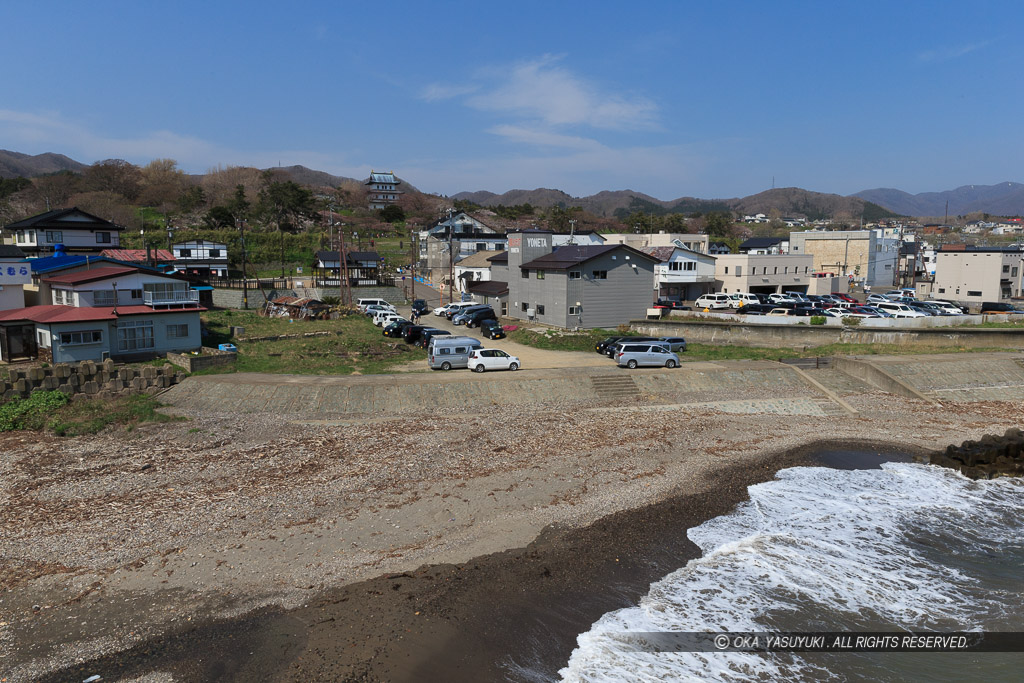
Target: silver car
x=655, y=354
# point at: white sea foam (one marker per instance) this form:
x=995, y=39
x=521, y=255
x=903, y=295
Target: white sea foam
x=819, y=549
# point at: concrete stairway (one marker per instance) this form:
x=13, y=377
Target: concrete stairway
x=608, y=387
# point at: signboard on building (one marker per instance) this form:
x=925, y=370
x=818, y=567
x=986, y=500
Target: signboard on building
x=17, y=273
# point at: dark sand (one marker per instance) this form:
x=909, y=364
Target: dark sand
x=513, y=615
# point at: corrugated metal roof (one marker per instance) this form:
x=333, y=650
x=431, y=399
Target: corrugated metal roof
x=54, y=219
x=70, y=314
x=91, y=275
x=573, y=255
x=138, y=255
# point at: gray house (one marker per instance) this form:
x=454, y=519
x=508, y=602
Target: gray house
x=577, y=286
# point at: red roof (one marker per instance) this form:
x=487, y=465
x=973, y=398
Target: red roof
x=71, y=314
x=91, y=275
x=138, y=255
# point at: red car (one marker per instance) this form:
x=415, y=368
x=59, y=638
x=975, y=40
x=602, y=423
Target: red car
x=845, y=297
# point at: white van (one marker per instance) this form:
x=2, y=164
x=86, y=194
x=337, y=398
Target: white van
x=741, y=299
x=448, y=351
x=363, y=303
x=712, y=301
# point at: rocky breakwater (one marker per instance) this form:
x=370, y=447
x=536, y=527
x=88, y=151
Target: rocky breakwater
x=987, y=458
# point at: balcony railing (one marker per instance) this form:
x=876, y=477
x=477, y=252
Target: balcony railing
x=175, y=298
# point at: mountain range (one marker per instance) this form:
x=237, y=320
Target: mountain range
x=1002, y=199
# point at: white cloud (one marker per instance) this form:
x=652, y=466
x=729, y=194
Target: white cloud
x=952, y=52
x=543, y=91
x=37, y=132
x=545, y=138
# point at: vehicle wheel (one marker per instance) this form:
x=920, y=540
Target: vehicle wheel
x=446, y=365
x=670, y=364
x=513, y=366
x=479, y=368
x=631, y=365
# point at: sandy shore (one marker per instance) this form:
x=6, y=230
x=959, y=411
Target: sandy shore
x=244, y=547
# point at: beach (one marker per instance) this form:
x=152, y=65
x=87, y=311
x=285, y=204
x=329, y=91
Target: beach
x=473, y=547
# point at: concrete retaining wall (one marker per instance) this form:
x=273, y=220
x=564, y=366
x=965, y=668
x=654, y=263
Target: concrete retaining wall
x=798, y=336
x=105, y=380
x=210, y=358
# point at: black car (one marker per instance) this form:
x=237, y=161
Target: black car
x=610, y=351
x=411, y=333
x=602, y=346
x=429, y=332
x=420, y=306
x=492, y=329
x=395, y=329
x=671, y=305
x=477, y=317
x=808, y=311
x=756, y=309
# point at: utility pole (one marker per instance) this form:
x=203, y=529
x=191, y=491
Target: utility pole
x=344, y=286
x=245, y=283
x=451, y=258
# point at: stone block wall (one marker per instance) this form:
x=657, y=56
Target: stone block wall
x=104, y=380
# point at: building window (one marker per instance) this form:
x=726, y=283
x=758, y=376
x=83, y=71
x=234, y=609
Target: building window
x=690, y=265
x=177, y=331
x=215, y=253
x=1014, y=272
x=526, y=272
x=525, y=306
x=19, y=236
x=79, y=338
x=574, y=275
x=600, y=274
x=540, y=309
x=1006, y=269
x=727, y=270
x=136, y=293
x=504, y=308
x=54, y=236
x=675, y=265
x=776, y=271
x=942, y=290
x=975, y=293
x=103, y=238
x=185, y=253
x=135, y=335
x=574, y=310
x=540, y=274
x=103, y=297
x=785, y=270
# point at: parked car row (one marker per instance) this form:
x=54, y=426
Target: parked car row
x=447, y=352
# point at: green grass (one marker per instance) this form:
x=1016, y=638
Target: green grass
x=53, y=411
x=558, y=340
x=355, y=345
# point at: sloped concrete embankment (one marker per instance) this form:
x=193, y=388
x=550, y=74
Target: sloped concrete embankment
x=942, y=378
x=728, y=385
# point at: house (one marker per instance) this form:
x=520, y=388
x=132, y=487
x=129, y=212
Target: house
x=382, y=189
x=108, y=311
x=362, y=269
x=493, y=291
x=15, y=273
x=693, y=242
x=976, y=274
x=78, y=231
x=473, y=268
x=576, y=286
x=765, y=245
x=201, y=258
x=681, y=274
x=772, y=273
x=447, y=240
x=160, y=259
x=869, y=256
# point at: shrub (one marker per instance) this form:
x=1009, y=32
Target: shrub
x=850, y=321
x=817, y=320
x=31, y=413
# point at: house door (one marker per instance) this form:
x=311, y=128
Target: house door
x=19, y=342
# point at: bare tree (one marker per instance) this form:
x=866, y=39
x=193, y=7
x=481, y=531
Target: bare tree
x=114, y=175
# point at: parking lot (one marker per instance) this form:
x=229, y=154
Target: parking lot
x=532, y=358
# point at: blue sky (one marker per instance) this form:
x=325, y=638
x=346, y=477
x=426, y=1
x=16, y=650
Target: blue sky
x=706, y=99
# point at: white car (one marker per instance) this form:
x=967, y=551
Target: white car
x=712, y=302
x=898, y=310
x=374, y=309
x=385, y=319
x=780, y=299
x=492, y=359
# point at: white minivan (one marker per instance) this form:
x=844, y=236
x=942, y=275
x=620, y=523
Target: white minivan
x=712, y=302
x=741, y=299
x=364, y=303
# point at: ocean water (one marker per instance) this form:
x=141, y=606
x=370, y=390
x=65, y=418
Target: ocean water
x=907, y=547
